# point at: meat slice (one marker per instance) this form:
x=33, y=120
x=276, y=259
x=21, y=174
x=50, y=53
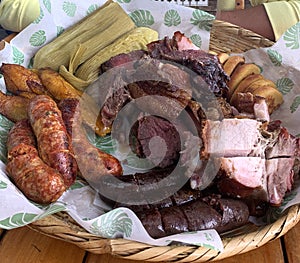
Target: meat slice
x=156, y=139
x=283, y=145
x=280, y=178
x=177, y=49
x=243, y=177
x=256, y=178
x=231, y=137
x=122, y=59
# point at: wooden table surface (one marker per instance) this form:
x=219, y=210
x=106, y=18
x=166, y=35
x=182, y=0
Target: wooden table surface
x=23, y=245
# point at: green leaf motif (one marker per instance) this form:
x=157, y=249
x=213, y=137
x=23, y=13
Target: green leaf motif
x=196, y=39
x=292, y=37
x=69, y=8
x=18, y=56
x=59, y=30
x=38, y=38
x=124, y=1
x=172, y=18
x=39, y=18
x=3, y=185
x=295, y=104
x=285, y=85
x=52, y=209
x=112, y=223
x=202, y=19
x=92, y=8
x=47, y=4
x=106, y=143
x=77, y=185
x=30, y=64
x=275, y=57
x=5, y=125
x=142, y=18
x=3, y=148
x=17, y=220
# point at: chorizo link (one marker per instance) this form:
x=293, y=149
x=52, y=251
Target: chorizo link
x=54, y=143
x=39, y=182
x=92, y=161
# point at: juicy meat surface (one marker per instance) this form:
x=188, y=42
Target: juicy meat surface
x=227, y=138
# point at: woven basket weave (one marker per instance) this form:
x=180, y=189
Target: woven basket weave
x=224, y=38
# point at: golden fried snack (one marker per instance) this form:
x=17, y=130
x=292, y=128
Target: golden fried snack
x=222, y=57
x=22, y=81
x=13, y=107
x=56, y=85
x=232, y=62
x=273, y=97
x=245, y=83
x=240, y=73
x=260, y=83
x=60, y=89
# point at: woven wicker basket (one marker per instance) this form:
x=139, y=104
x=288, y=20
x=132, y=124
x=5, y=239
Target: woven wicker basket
x=225, y=38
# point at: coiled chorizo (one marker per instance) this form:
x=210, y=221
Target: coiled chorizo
x=38, y=181
x=54, y=143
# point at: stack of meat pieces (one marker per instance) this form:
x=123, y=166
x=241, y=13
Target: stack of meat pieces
x=252, y=157
x=254, y=162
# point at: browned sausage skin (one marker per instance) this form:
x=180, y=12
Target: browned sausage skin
x=54, y=143
x=39, y=182
x=92, y=162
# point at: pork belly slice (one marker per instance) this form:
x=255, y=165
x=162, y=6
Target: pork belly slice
x=283, y=145
x=231, y=137
x=242, y=177
x=280, y=178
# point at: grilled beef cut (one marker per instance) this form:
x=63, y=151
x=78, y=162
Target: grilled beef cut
x=204, y=64
x=157, y=139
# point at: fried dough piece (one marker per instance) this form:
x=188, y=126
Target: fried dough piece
x=13, y=107
x=22, y=81
x=222, y=57
x=240, y=73
x=61, y=89
x=258, y=84
x=56, y=85
x=245, y=83
x=232, y=62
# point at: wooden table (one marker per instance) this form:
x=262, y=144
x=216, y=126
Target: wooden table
x=27, y=246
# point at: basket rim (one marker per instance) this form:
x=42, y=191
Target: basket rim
x=63, y=227
x=229, y=38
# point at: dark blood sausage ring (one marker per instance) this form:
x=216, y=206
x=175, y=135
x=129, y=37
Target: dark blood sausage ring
x=39, y=182
x=54, y=143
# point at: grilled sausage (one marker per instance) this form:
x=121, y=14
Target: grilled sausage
x=92, y=162
x=54, y=143
x=38, y=181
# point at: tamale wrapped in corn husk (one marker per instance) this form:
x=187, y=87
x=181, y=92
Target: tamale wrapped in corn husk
x=91, y=34
x=136, y=39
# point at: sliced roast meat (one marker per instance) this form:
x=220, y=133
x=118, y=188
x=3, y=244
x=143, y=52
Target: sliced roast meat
x=202, y=63
x=280, y=176
x=156, y=139
x=231, y=137
x=167, y=87
x=123, y=59
x=283, y=144
x=255, y=178
x=243, y=177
